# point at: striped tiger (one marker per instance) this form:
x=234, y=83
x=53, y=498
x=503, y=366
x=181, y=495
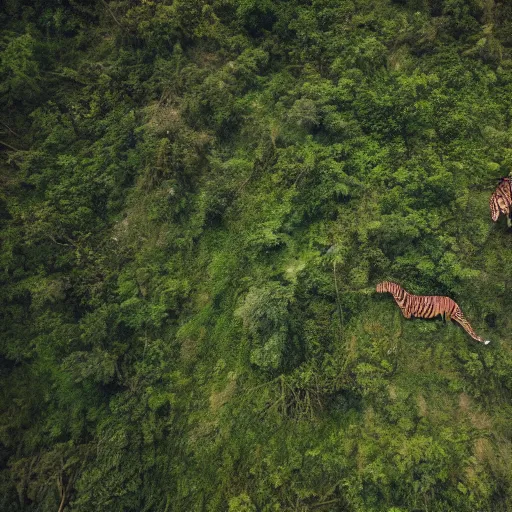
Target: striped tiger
x=501, y=200
x=427, y=306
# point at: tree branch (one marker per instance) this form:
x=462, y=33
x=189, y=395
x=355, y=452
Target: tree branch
x=340, y=313
x=112, y=14
x=10, y=129
x=9, y=146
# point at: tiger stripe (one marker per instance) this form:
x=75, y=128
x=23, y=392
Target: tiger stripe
x=427, y=306
x=501, y=199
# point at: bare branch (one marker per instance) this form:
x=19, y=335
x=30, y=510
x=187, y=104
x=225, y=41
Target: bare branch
x=112, y=14
x=10, y=129
x=8, y=146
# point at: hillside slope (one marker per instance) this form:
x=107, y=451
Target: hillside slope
x=197, y=200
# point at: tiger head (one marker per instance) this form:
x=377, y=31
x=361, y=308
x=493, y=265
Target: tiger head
x=501, y=199
x=384, y=287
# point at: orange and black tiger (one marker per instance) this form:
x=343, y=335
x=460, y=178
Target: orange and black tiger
x=427, y=306
x=501, y=200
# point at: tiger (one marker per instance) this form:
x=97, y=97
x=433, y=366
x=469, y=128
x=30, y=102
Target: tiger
x=427, y=306
x=501, y=200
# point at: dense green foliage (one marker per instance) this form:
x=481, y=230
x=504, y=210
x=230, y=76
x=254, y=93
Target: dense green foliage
x=197, y=200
